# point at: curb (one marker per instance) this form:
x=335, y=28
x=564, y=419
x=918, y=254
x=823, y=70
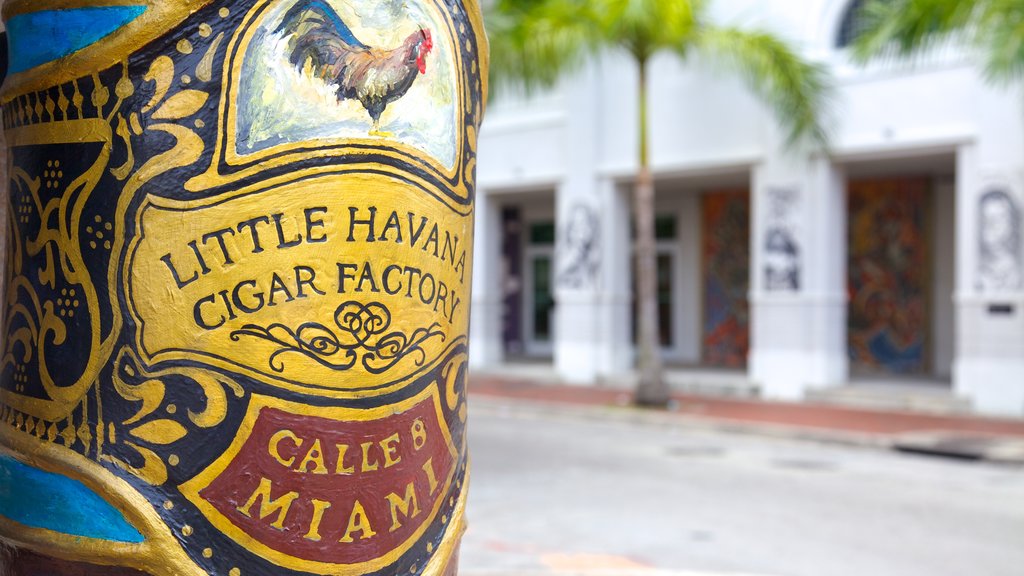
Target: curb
x=950, y=444
x=963, y=446
x=629, y=415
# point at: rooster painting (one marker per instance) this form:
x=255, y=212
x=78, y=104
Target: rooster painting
x=322, y=45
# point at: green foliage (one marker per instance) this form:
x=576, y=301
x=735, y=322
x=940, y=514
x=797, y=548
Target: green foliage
x=1004, y=39
x=908, y=27
x=796, y=90
x=535, y=42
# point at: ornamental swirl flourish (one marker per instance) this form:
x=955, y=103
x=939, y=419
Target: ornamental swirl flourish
x=362, y=337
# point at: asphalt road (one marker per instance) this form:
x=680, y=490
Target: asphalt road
x=553, y=494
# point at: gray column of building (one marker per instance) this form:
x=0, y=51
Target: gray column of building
x=578, y=259
x=798, y=302
x=989, y=365
x=486, y=321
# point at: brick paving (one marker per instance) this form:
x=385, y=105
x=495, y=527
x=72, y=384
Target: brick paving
x=795, y=415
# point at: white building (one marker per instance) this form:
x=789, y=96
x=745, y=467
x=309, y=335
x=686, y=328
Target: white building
x=895, y=258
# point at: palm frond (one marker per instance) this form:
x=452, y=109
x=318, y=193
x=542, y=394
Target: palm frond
x=798, y=92
x=1001, y=35
x=902, y=28
x=643, y=27
x=535, y=42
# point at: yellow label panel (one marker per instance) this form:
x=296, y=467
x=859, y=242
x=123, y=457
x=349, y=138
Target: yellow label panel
x=340, y=284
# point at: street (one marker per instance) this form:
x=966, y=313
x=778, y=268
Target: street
x=554, y=494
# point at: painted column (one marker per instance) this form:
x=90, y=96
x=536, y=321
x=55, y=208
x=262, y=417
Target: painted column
x=594, y=252
x=578, y=261
x=798, y=303
x=578, y=256
x=989, y=297
x=238, y=285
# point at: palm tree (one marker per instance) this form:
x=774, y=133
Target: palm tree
x=908, y=27
x=535, y=42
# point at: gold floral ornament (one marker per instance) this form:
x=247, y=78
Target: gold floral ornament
x=148, y=389
x=46, y=264
x=163, y=113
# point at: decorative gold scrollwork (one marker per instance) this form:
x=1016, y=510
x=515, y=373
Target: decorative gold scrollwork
x=363, y=335
x=148, y=426
x=165, y=112
x=43, y=232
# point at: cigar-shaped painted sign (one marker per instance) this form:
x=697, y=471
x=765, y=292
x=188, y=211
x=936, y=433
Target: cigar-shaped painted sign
x=239, y=249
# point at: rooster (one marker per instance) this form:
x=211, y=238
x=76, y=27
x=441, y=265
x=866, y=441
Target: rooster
x=321, y=44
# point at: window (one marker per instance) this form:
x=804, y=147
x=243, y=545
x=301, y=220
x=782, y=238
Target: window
x=852, y=26
x=664, y=227
x=543, y=303
x=664, y=233
x=542, y=234
x=664, y=271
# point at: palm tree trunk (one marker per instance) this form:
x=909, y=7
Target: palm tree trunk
x=651, y=388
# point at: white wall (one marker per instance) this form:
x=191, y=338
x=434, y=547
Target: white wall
x=581, y=139
x=989, y=366
x=703, y=115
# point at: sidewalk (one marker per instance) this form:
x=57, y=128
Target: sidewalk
x=968, y=437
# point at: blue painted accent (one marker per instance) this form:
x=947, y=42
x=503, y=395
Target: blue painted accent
x=895, y=356
x=40, y=37
x=42, y=499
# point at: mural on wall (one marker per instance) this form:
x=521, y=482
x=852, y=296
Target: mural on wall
x=1000, y=264
x=781, y=243
x=580, y=248
x=237, y=285
x=725, y=220
x=888, y=275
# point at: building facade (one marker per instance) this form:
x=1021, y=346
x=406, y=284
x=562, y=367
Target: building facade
x=895, y=257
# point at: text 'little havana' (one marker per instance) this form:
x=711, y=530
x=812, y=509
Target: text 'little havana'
x=238, y=260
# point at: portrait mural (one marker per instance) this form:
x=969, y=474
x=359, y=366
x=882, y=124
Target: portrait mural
x=1000, y=265
x=781, y=241
x=237, y=284
x=580, y=255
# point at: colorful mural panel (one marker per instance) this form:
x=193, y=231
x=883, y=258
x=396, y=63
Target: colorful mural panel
x=725, y=246
x=888, y=275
